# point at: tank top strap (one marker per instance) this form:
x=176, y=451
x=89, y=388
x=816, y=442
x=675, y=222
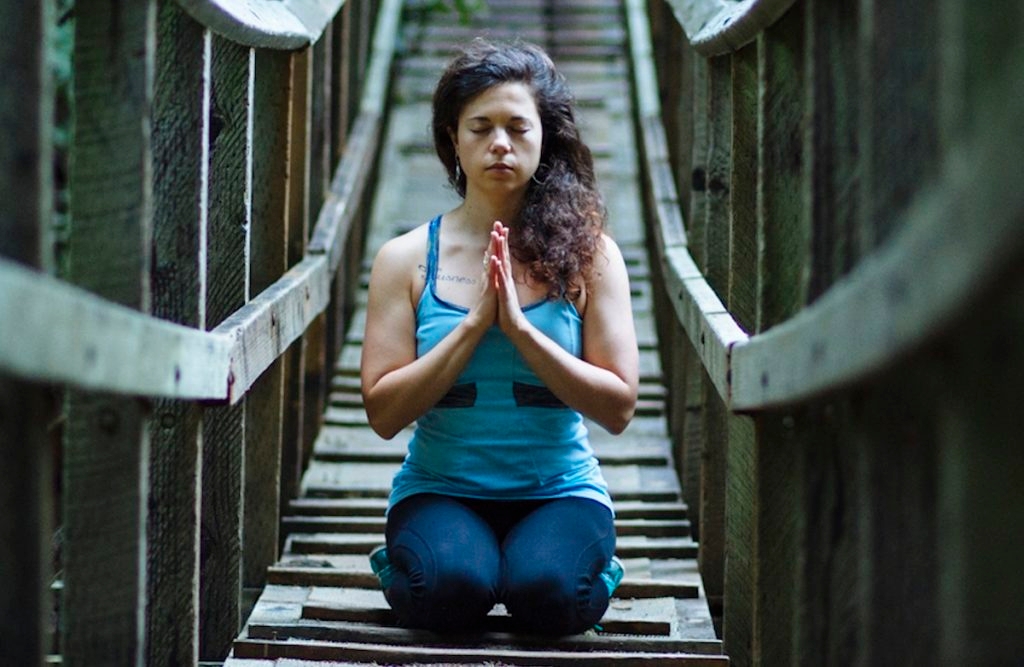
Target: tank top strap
x=433, y=248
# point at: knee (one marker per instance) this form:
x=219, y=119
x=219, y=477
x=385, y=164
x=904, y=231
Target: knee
x=449, y=599
x=548, y=604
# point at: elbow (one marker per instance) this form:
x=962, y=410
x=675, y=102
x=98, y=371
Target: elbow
x=384, y=431
x=380, y=423
x=618, y=425
x=384, y=428
x=618, y=419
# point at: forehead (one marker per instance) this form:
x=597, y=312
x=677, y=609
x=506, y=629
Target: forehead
x=504, y=99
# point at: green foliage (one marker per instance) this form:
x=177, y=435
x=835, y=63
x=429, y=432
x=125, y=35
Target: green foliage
x=60, y=57
x=466, y=9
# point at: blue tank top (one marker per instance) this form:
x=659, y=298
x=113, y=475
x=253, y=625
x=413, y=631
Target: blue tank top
x=498, y=433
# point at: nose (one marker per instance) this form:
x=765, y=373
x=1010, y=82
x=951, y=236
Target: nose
x=501, y=143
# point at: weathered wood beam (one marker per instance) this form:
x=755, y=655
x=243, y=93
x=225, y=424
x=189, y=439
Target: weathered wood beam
x=181, y=125
x=268, y=261
x=271, y=24
x=107, y=438
x=26, y=410
x=716, y=27
x=224, y=427
x=108, y=347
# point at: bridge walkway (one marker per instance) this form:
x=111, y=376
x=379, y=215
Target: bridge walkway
x=322, y=602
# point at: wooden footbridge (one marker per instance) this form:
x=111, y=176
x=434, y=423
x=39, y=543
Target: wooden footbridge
x=821, y=210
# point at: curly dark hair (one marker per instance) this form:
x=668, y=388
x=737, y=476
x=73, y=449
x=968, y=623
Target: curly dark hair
x=560, y=222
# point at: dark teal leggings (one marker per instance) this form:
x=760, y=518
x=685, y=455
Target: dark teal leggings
x=455, y=558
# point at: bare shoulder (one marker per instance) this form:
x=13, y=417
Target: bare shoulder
x=403, y=248
x=608, y=260
x=399, y=258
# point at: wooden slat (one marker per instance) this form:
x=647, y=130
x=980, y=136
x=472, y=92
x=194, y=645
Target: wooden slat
x=293, y=460
x=227, y=290
x=25, y=410
x=172, y=610
x=268, y=260
x=106, y=453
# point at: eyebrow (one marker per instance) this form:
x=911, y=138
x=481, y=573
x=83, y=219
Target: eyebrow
x=487, y=119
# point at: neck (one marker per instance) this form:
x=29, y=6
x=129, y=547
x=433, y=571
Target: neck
x=481, y=212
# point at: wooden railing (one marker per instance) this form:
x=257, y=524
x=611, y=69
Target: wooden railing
x=221, y=163
x=838, y=219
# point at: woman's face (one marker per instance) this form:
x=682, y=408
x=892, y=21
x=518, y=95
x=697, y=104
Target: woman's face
x=498, y=140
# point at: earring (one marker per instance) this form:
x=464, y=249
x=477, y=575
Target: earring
x=539, y=181
x=458, y=171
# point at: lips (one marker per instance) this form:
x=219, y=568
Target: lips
x=500, y=166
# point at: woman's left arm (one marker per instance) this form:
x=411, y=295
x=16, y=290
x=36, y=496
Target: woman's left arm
x=603, y=384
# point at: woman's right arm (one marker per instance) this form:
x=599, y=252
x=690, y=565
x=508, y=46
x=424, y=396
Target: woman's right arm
x=397, y=386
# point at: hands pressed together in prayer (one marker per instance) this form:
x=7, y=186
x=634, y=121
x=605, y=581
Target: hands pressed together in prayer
x=499, y=300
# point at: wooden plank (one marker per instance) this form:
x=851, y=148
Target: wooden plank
x=285, y=25
x=27, y=94
x=342, y=631
x=716, y=229
x=696, y=215
x=629, y=482
x=784, y=219
x=292, y=459
x=25, y=410
x=181, y=152
x=834, y=104
x=714, y=418
x=899, y=120
x=742, y=291
x=268, y=261
x=26, y=480
x=307, y=649
x=741, y=540
x=651, y=616
x=111, y=348
x=107, y=440
x=715, y=27
x=227, y=290
x=264, y=327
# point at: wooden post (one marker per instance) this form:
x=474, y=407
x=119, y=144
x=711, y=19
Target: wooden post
x=107, y=439
x=742, y=458
x=224, y=428
x=900, y=126
x=297, y=198
x=315, y=339
x=269, y=255
x=697, y=218
x=784, y=239
x=180, y=148
x=26, y=411
x=784, y=228
x=833, y=103
x=715, y=243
